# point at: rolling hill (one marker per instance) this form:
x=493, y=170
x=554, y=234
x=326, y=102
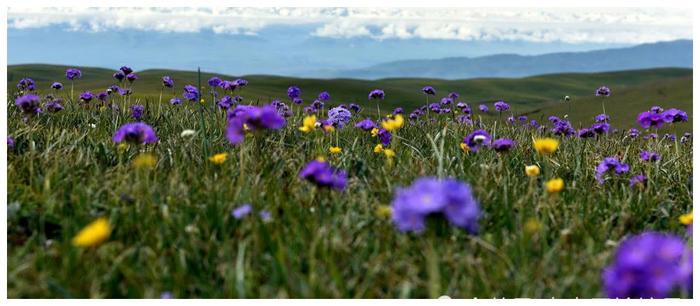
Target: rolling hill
x=539, y=96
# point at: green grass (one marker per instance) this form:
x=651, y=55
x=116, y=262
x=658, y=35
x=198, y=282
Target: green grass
x=173, y=230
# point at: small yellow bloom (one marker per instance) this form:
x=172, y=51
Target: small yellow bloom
x=329, y=128
x=393, y=123
x=464, y=147
x=144, y=160
x=546, y=145
x=532, y=226
x=532, y=170
x=245, y=127
x=383, y=211
x=201, y=101
x=686, y=219
x=122, y=147
x=308, y=124
x=378, y=148
x=335, y=150
x=93, y=234
x=389, y=153
x=374, y=132
x=218, y=159
x=554, y=185
x=321, y=158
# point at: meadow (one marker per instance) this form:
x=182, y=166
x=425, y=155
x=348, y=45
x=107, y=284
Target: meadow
x=243, y=203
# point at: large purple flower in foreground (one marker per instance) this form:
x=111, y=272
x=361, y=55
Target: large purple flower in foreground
x=323, y=174
x=135, y=133
x=376, y=94
x=478, y=139
x=339, y=116
x=610, y=164
x=649, y=119
x=674, y=115
x=29, y=104
x=252, y=118
x=449, y=198
x=648, y=265
x=73, y=73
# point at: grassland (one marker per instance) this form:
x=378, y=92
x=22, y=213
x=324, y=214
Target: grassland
x=173, y=231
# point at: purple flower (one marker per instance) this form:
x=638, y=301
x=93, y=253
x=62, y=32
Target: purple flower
x=265, y=215
x=674, y=115
x=131, y=77
x=384, y=137
x=501, y=106
x=10, y=143
x=564, y=128
x=446, y=101
x=86, y=96
x=190, y=93
x=27, y=84
x=586, y=133
x=228, y=85
x=376, y=94
x=686, y=137
x=124, y=91
x=656, y=109
x=126, y=70
x=317, y=105
x=214, y=81
x=56, y=85
x=522, y=118
x=137, y=111
x=29, y=104
x=240, y=83
x=119, y=75
x=324, y=96
x=651, y=136
x=639, y=179
x=225, y=102
x=135, y=133
x=483, y=108
x=502, y=144
x=73, y=73
x=294, y=92
x=54, y=106
x=241, y=211
x=429, y=90
x=603, y=91
x=649, y=156
x=339, y=116
x=478, y=139
x=649, y=119
x=323, y=174
x=254, y=118
x=602, y=118
x=366, y=125
x=453, y=95
x=168, y=81
x=398, y=110
x=633, y=133
x=102, y=96
x=600, y=127
x=647, y=265
x=534, y=123
x=175, y=101
x=448, y=198
x=461, y=105
x=607, y=165
x=354, y=107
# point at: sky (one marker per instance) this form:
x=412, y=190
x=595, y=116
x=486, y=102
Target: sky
x=304, y=41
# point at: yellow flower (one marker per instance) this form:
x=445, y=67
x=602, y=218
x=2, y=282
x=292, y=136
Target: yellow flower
x=383, y=211
x=321, y=158
x=686, y=219
x=389, y=153
x=335, y=150
x=393, y=123
x=374, y=132
x=144, y=160
x=122, y=147
x=245, y=127
x=546, y=145
x=201, y=101
x=378, y=148
x=554, y=185
x=532, y=226
x=218, y=158
x=328, y=128
x=308, y=124
x=93, y=234
x=464, y=147
x=533, y=170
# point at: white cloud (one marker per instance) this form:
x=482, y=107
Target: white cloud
x=584, y=25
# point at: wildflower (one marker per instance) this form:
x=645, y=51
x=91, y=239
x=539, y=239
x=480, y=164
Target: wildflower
x=393, y=123
x=122, y=147
x=674, y=115
x=126, y=69
x=57, y=85
x=131, y=77
x=464, y=147
x=354, y=107
x=532, y=226
x=449, y=198
x=136, y=133
x=554, y=185
x=648, y=119
x=603, y=91
x=328, y=128
x=29, y=104
x=335, y=150
x=649, y=156
x=501, y=106
x=214, y=81
x=384, y=136
x=638, y=180
x=190, y=93
x=54, y=106
x=168, y=82
x=73, y=73
x=610, y=163
x=376, y=94
x=324, y=175
x=633, y=133
x=119, y=75
x=546, y=145
x=293, y=92
x=502, y=144
x=137, y=111
x=477, y=139
x=93, y=234
x=600, y=128
x=27, y=84
x=398, y=110
x=218, y=159
x=483, y=108
x=586, y=133
x=647, y=265
x=383, y=211
x=602, y=118
x=532, y=170
x=308, y=124
x=389, y=153
x=367, y=125
x=429, y=90
x=241, y=211
x=339, y=116
x=254, y=118
x=265, y=215
x=175, y=101
x=10, y=143
x=374, y=132
x=324, y=96
x=378, y=148
x=144, y=161
x=563, y=127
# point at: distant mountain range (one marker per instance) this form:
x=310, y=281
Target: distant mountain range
x=678, y=53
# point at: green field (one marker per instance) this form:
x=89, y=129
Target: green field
x=172, y=228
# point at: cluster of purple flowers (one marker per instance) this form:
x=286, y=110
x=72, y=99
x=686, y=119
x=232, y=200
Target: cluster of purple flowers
x=649, y=265
x=561, y=127
x=649, y=156
x=252, y=118
x=29, y=104
x=339, y=116
x=282, y=109
x=323, y=174
x=432, y=196
x=655, y=118
x=73, y=73
x=190, y=93
x=26, y=84
x=610, y=164
x=135, y=133
x=53, y=105
x=501, y=106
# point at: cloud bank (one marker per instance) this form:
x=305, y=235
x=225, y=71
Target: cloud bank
x=569, y=25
